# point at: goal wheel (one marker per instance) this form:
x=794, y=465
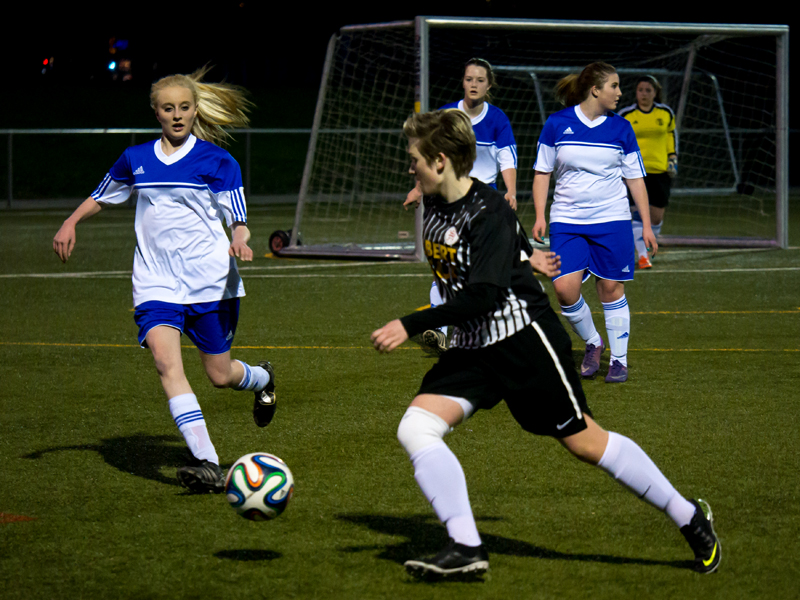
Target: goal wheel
x=278, y=241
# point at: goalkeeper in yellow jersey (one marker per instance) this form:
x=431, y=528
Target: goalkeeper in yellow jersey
x=654, y=125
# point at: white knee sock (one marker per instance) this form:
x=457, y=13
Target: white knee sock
x=657, y=229
x=255, y=378
x=436, y=300
x=638, y=238
x=618, y=328
x=441, y=479
x=438, y=473
x=579, y=316
x=189, y=419
x=626, y=462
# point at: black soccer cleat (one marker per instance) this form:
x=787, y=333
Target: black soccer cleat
x=453, y=560
x=203, y=477
x=702, y=538
x=264, y=406
x=434, y=342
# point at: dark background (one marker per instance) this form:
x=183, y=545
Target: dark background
x=274, y=49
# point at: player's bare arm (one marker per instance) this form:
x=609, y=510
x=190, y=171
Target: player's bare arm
x=510, y=179
x=640, y=199
x=541, y=185
x=239, y=247
x=64, y=240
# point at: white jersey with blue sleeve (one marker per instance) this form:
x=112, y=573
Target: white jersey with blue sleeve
x=590, y=160
x=181, y=246
x=495, y=144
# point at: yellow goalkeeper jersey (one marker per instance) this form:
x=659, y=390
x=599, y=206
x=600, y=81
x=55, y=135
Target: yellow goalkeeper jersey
x=655, y=133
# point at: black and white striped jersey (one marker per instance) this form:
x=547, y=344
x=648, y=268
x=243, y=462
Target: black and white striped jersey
x=478, y=240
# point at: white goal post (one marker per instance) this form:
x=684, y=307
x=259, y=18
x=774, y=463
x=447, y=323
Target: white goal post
x=728, y=85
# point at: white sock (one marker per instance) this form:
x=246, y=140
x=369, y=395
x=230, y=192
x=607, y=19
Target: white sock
x=579, y=316
x=638, y=238
x=618, y=328
x=442, y=481
x=626, y=462
x=436, y=300
x=255, y=378
x=657, y=229
x=189, y=419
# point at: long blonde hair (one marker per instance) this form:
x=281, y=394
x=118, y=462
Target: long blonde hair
x=220, y=106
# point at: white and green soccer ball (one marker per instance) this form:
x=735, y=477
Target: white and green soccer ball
x=259, y=486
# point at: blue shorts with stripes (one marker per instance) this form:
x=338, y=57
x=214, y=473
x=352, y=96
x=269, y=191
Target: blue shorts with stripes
x=210, y=325
x=605, y=250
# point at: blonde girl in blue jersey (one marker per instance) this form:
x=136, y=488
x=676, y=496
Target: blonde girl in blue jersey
x=654, y=125
x=185, y=278
x=595, y=157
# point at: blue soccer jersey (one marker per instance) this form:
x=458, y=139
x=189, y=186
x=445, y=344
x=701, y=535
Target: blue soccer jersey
x=495, y=144
x=181, y=246
x=590, y=159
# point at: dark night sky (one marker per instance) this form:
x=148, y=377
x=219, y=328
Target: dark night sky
x=273, y=48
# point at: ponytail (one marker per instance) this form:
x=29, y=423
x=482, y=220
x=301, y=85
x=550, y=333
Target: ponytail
x=574, y=89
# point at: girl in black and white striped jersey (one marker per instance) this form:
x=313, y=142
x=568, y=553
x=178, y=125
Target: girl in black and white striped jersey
x=509, y=345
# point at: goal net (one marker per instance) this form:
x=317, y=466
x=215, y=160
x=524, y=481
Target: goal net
x=726, y=84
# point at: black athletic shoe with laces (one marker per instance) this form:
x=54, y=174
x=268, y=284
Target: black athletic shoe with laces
x=453, y=559
x=202, y=477
x=264, y=406
x=434, y=342
x=702, y=538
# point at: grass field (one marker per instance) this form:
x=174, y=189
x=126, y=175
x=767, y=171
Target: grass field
x=90, y=507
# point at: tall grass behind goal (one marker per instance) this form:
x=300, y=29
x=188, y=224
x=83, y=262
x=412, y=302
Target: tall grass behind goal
x=728, y=86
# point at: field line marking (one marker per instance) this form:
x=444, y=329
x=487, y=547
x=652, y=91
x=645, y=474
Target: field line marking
x=9, y=518
x=731, y=270
x=712, y=312
x=314, y=266
x=714, y=350
x=189, y=346
x=78, y=345
x=670, y=250
x=127, y=275
x=81, y=275
x=250, y=274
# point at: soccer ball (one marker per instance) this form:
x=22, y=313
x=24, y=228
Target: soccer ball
x=259, y=486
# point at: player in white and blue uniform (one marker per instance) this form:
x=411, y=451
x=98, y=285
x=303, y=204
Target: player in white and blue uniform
x=595, y=157
x=185, y=278
x=183, y=202
x=495, y=146
x=496, y=153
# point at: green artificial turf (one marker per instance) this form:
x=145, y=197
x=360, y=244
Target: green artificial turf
x=91, y=508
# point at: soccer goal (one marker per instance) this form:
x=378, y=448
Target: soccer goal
x=728, y=85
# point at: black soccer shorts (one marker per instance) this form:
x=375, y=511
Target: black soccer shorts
x=659, y=186
x=533, y=371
